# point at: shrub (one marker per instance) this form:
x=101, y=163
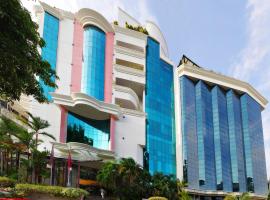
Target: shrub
x=7, y=182
x=69, y=193
x=157, y=198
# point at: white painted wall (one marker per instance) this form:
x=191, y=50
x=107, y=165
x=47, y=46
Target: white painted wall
x=123, y=17
x=64, y=56
x=130, y=137
x=178, y=133
x=130, y=39
x=52, y=114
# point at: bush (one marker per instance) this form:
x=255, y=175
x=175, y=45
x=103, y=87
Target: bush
x=52, y=190
x=6, y=182
x=157, y=198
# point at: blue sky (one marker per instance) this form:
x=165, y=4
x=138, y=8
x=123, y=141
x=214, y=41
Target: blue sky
x=228, y=36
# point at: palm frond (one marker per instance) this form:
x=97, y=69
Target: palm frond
x=48, y=135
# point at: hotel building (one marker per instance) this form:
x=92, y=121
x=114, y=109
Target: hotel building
x=120, y=95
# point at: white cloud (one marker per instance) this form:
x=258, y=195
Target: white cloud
x=253, y=64
x=108, y=8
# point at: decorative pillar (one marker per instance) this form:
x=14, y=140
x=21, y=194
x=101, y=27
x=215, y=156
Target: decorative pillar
x=63, y=125
x=108, y=67
x=77, y=54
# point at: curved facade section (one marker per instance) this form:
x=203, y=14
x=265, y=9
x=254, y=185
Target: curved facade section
x=93, y=68
x=156, y=33
x=87, y=16
x=126, y=97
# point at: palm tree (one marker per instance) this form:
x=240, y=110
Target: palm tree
x=243, y=196
x=9, y=129
x=184, y=195
x=36, y=124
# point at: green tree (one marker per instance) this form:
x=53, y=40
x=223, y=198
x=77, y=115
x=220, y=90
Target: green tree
x=184, y=195
x=243, y=196
x=9, y=145
x=125, y=179
x=37, y=124
x=20, y=61
x=164, y=186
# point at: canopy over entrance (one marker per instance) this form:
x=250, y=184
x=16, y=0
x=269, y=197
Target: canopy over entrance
x=80, y=152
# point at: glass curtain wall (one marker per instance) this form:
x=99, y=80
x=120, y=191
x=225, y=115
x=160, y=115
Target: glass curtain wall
x=159, y=106
x=49, y=52
x=93, y=68
x=189, y=133
x=205, y=134
x=96, y=133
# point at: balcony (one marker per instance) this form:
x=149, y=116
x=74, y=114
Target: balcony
x=130, y=74
x=126, y=98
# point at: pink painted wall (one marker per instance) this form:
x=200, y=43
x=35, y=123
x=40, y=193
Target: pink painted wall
x=112, y=133
x=63, y=125
x=108, y=67
x=77, y=53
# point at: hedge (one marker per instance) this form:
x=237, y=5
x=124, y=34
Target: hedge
x=6, y=182
x=52, y=190
x=157, y=198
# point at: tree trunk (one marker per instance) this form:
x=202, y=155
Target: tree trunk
x=2, y=162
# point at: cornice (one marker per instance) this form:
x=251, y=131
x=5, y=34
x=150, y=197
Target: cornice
x=222, y=80
x=130, y=32
x=60, y=14
x=88, y=16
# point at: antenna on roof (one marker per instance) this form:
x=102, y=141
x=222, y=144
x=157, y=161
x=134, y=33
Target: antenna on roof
x=186, y=60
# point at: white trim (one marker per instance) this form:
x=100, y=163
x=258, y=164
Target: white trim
x=134, y=98
x=129, y=52
x=88, y=16
x=166, y=59
x=134, y=112
x=219, y=79
x=129, y=70
x=130, y=32
x=81, y=99
x=60, y=14
x=178, y=131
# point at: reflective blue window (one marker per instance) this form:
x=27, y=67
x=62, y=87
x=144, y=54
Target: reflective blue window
x=93, y=132
x=159, y=106
x=254, y=145
x=49, y=52
x=92, y=82
x=221, y=139
x=205, y=133
x=236, y=142
x=189, y=135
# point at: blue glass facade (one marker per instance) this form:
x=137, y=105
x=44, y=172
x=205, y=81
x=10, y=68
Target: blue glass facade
x=254, y=145
x=221, y=139
x=189, y=135
x=93, y=67
x=93, y=132
x=223, y=146
x=159, y=106
x=236, y=142
x=205, y=134
x=49, y=52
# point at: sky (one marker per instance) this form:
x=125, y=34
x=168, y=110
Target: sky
x=228, y=36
